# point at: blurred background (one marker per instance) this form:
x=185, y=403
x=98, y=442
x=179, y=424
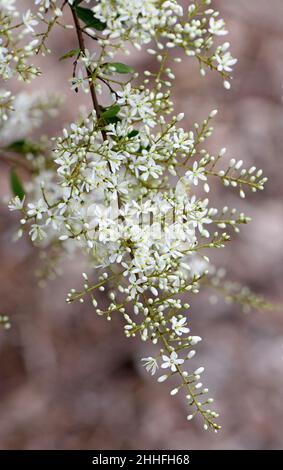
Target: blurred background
x=70, y=380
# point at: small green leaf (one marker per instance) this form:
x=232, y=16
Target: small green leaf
x=23, y=147
x=119, y=67
x=16, y=185
x=71, y=53
x=87, y=16
x=110, y=112
x=113, y=120
x=133, y=133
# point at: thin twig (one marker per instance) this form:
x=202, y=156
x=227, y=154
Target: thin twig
x=108, y=85
x=14, y=160
x=88, y=70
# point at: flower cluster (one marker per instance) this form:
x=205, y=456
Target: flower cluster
x=23, y=113
x=194, y=30
x=119, y=184
x=17, y=43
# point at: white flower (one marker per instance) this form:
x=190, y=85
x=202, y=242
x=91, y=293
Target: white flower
x=145, y=166
x=217, y=27
x=117, y=185
x=16, y=204
x=88, y=59
x=37, y=233
x=124, y=94
x=179, y=326
x=7, y=5
x=142, y=207
x=80, y=81
x=225, y=62
x=198, y=213
x=139, y=105
x=196, y=174
x=55, y=220
x=44, y=3
x=29, y=21
x=151, y=365
x=181, y=140
x=135, y=286
x=171, y=362
x=36, y=210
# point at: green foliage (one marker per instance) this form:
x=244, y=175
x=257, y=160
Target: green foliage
x=119, y=67
x=110, y=114
x=71, y=53
x=133, y=134
x=23, y=147
x=16, y=185
x=87, y=16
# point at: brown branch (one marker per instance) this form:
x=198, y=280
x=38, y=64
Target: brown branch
x=108, y=85
x=89, y=73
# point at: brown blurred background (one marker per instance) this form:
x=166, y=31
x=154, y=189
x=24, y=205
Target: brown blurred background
x=70, y=380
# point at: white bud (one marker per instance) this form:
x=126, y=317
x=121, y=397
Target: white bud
x=206, y=187
x=180, y=116
x=222, y=152
x=162, y=378
x=195, y=340
x=213, y=113
x=239, y=164
x=63, y=237
x=227, y=84
x=191, y=354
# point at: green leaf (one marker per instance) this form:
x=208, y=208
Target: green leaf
x=87, y=16
x=119, y=67
x=133, y=133
x=110, y=112
x=71, y=53
x=113, y=120
x=76, y=3
x=16, y=185
x=23, y=147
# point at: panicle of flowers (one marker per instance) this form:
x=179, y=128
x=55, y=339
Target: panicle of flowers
x=193, y=29
x=23, y=113
x=128, y=185
x=17, y=42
